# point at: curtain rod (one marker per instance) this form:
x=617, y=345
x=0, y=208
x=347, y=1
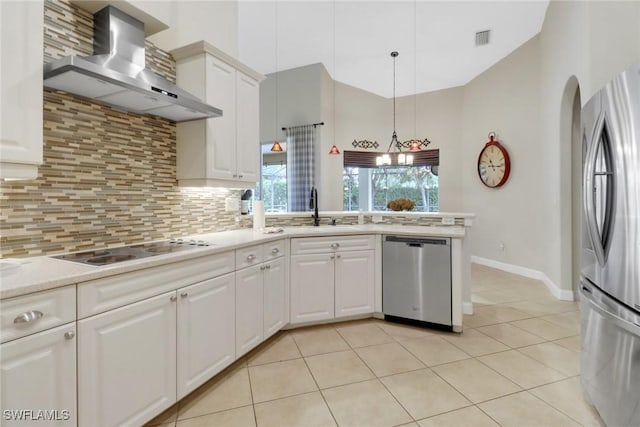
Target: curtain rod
x=314, y=125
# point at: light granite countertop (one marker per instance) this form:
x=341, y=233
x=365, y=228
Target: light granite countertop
x=27, y=275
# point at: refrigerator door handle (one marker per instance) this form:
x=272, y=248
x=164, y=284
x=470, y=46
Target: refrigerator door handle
x=628, y=326
x=598, y=242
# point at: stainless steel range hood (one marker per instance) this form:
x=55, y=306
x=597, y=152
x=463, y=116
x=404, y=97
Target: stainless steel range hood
x=116, y=73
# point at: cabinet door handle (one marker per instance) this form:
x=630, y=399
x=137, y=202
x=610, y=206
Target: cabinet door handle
x=268, y=267
x=69, y=335
x=335, y=245
x=251, y=257
x=333, y=257
x=235, y=175
x=184, y=294
x=275, y=251
x=339, y=256
x=173, y=298
x=240, y=176
x=28, y=316
x=262, y=267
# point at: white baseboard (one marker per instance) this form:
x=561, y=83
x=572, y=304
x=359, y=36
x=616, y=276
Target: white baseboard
x=467, y=307
x=560, y=294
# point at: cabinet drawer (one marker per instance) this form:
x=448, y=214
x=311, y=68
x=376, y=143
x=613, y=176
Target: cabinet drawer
x=32, y=313
x=249, y=256
x=273, y=250
x=310, y=245
x=108, y=293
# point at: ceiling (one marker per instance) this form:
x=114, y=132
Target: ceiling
x=354, y=39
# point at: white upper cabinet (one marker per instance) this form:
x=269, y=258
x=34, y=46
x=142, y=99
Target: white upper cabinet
x=21, y=88
x=222, y=151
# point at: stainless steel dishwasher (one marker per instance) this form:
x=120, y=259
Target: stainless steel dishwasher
x=416, y=279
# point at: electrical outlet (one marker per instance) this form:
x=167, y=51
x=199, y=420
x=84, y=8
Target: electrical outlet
x=448, y=221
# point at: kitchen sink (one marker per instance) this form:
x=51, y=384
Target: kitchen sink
x=126, y=253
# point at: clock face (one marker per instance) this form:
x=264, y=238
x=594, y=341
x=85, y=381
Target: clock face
x=493, y=165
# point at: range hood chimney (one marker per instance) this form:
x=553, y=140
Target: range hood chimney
x=116, y=73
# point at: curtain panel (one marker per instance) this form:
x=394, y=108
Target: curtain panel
x=300, y=166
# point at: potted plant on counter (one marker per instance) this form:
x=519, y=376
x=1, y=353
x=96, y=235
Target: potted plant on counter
x=401, y=205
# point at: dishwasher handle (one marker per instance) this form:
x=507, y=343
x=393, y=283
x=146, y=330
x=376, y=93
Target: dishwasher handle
x=417, y=241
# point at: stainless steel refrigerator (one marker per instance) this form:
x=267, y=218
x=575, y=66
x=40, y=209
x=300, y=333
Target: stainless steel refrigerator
x=610, y=271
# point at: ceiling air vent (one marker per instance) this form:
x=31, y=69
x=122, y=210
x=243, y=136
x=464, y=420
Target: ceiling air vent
x=482, y=37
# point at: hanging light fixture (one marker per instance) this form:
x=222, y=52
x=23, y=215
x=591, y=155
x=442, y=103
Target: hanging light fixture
x=276, y=147
x=395, y=146
x=334, y=149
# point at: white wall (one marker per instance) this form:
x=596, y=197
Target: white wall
x=439, y=118
x=190, y=21
x=584, y=42
x=505, y=99
x=299, y=100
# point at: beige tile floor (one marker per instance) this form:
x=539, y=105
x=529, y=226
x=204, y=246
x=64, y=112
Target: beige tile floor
x=517, y=363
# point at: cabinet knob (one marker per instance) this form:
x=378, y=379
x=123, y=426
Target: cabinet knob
x=240, y=176
x=333, y=257
x=262, y=267
x=173, y=298
x=235, y=175
x=275, y=251
x=251, y=257
x=28, y=316
x=335, y=245
x=69, y=335
x=339, y=256
x=268, y=267
x=184, y=294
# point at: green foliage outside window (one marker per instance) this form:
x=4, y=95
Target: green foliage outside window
x=417, y=183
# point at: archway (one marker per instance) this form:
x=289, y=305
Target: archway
x=571, y=182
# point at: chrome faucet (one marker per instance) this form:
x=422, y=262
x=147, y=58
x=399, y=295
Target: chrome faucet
x=313, y=204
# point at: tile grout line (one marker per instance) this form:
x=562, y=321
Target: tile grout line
x=253, y=402
x=316, y=383
x=383, y=384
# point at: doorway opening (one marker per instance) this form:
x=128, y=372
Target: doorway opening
x=571, y=183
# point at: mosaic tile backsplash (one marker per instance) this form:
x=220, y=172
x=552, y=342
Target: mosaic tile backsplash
x=108, y=177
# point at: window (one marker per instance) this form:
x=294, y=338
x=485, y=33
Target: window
x=368, y=187
x=273, y=180
x=373, y=188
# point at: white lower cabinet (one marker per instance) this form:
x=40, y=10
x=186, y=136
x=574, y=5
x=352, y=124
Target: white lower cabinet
x=38, y=375
x=275, y=296
x=312, y=287
x=127, y=363
x=206, y=331
x=354, y=280
x=249, y=309
x=261, y=303
x=331, y=285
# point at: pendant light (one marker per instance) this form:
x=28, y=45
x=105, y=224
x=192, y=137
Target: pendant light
x=402, y=159
x=334, y=149
x=415, y=144
x=276, y=147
